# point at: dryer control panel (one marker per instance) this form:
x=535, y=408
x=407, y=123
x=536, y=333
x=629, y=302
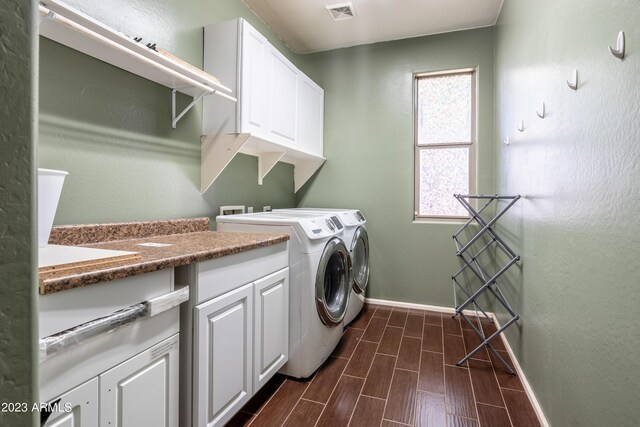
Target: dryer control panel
x=321, y=227
x=352, y=218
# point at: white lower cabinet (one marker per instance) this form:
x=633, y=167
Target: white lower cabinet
x=271, y=330
x=223, y=357
x=241, y=341
x=238, y=321
x=142, y=390
x=77, y=407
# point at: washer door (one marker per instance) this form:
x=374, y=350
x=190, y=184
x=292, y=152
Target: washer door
x=333, y=282
x=360, y=260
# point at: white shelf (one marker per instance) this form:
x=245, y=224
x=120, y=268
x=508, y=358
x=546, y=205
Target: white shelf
x=218, y=151
x=78, y=31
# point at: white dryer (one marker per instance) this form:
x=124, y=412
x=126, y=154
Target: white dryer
x=357, y=241
x=319, y=281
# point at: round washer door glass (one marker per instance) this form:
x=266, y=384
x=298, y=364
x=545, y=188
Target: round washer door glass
x=332, y=283
x=360, y=259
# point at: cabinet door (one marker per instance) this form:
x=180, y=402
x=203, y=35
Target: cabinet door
x=271, y=326
x=310, y=116
x=142, y=391
x=253, y=82
x=75, y=408
x=283, y=98
x=223, y=355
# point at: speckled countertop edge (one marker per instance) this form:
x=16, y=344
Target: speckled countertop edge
x=86, y=234
x=185, y=248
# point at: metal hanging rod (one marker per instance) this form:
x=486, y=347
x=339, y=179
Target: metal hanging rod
x=484, y=196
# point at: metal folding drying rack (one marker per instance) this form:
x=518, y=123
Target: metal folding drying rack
x=471, y=262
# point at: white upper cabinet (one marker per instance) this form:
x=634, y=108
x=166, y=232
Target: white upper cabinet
x=279, y=114
x=310, y=115
x=282, y=100
x=254, y=59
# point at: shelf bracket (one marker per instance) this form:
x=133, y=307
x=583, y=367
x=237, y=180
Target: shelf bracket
x=174, y=118
x=266, y=162
x=303, y=171
x=216, y=153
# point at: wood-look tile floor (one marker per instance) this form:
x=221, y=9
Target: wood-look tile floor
x=397, y=367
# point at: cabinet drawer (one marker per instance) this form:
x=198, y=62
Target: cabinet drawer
x=220, y=275
x=80, y=363
x=63, y=310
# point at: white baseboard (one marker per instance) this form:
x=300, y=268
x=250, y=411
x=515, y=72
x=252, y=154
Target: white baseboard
x=525, y=383
x=516, y=365
x=420, y=306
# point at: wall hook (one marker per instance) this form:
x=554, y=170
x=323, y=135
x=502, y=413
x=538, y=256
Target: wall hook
x=574, y=84
x=521, y=126
x=619, y=51
x=543, y=113
x=506, y=140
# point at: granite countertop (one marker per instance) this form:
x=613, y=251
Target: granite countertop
x=186, y=247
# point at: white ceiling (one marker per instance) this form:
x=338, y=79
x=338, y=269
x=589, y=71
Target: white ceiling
x=306, y=25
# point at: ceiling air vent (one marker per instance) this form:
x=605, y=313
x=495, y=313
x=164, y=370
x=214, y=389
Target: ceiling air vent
x=341, y=11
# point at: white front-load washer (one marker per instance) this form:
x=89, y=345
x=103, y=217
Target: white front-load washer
x=319, y=281
x=357, y=241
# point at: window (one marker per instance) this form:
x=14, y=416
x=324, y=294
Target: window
x=444, y=142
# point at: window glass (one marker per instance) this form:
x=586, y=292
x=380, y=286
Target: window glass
x=443, y=173
x=444, y=109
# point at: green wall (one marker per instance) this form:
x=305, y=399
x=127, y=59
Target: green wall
x=577, y=227
x=368, y=141
x=111, y=129
x=18, y=286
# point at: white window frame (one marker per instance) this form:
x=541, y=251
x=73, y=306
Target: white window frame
x=453, y=144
